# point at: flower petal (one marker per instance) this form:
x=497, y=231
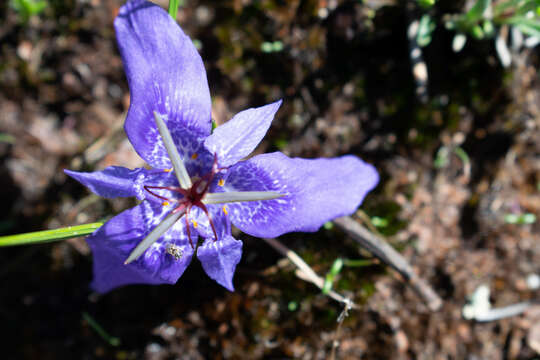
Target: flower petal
x=221, y=222
x=315, y=191
x=114, y=181
x=219, y=259
x=165, y=74
x=238, y=137
x=112, y=243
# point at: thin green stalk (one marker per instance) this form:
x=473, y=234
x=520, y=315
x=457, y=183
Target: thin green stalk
x=113, y=341
x=358, y=262
x=173, y=8
x=49, y=235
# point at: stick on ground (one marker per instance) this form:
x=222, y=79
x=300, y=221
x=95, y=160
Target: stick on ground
x=386, y=253
x=307, y=272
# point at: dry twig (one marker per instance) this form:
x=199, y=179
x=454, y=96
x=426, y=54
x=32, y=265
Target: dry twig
x=386, y=253
x=306, y=272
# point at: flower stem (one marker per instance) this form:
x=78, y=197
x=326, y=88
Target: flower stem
x=173, y=8
x=113, y=341
x=49, y=235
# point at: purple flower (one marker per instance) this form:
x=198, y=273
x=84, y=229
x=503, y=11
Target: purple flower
x=199, y=183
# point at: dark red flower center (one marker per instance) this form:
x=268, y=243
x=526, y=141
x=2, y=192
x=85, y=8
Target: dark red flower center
x=190, y=197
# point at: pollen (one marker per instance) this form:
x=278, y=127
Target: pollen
x=195, y=224
x=225, y=210
x=175, y=251
x=168, y=170
x=221, y=182
x=194, y=156
x=165, y=203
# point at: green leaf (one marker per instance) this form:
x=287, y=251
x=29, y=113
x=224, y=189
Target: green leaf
x=528, y=218
x=327, y=286
x=28, y=8
x=477, y=32
x=478, y=10
x=331, y=275
x=442, y=157
x=425, y=29
x=292, y=306
x=520, y=219
x=336, y=267
x=49, y=235
x=525, y=25
x=358, y=262
x=462, y=155
x=426, y=4
x=488, y=28
x=526, y=7
x=379, y=221
x=7, y=138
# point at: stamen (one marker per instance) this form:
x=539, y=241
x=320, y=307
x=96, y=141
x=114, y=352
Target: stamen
x=147, y=188
x=188, y=228
x=221, y=182
x=205, y=210
x=224, y=208
x=215, y=167
x=239, y=196
x=170, y=188
x=165, y=203
x=154, y=235
x=195, y=224
x=194, y=156
x=178, y=165
x=168, y=170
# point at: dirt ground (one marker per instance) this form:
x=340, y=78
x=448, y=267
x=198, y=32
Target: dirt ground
x=343, y=70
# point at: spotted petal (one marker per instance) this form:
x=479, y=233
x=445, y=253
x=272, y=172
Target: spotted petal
x=165, y=74
x=221, y=222
x=219, y=259
x=315, y=191
x=238, y=137
x=112, y=243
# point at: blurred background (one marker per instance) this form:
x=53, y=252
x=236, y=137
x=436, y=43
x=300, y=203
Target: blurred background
x=441, y=96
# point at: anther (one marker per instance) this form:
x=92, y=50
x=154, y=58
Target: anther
x=165, y=203
x=224, y=208
x=195, y=224
x=194, y=156
x=221, y=182
x=175, y=251
x=168, y=170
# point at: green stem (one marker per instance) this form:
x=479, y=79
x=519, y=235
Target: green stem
x=358, y=262
x=49, y=235
x=113, y=341
x=173, y=8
